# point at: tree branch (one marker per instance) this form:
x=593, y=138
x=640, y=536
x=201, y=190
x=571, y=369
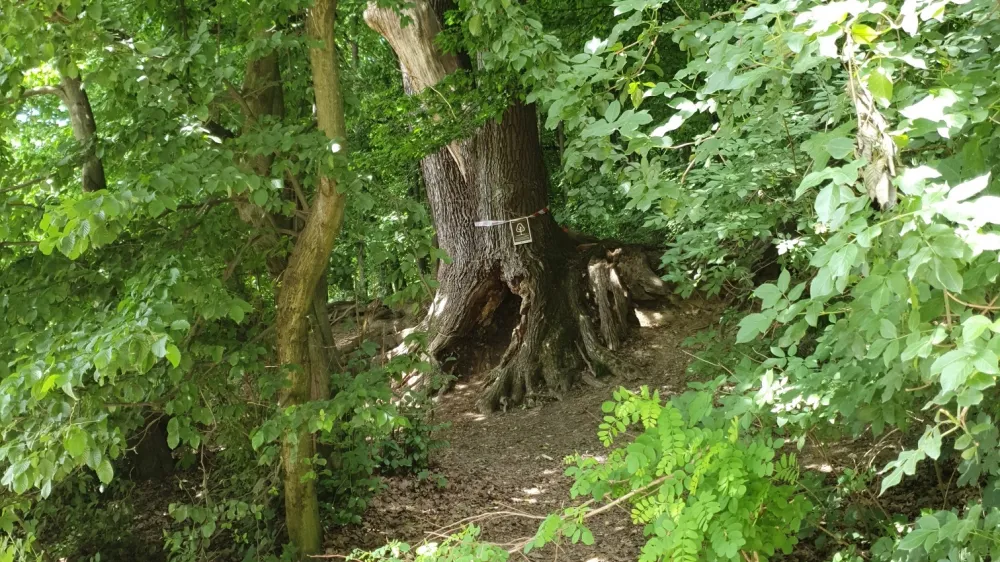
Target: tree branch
x=42, y=91
x=39, y=91
x=28, y=183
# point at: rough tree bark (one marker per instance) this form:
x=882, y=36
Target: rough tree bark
x=557, y=287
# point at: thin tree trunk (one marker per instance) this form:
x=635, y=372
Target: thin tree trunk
x=81, y=118
x=362, y=289
x=306, y=265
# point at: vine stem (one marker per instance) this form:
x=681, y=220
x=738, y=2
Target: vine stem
x=987, y=307
x=608, y=506
x=702, y=359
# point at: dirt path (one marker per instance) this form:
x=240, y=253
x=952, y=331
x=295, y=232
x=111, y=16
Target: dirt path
x=515, y=459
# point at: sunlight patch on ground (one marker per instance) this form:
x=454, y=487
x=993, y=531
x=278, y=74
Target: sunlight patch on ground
x=652, y=318
x=474, y=416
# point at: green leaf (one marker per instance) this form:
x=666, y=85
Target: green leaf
x=974, y=326
x=916, y=538
x=475, y=25
x=156, y=208
x=180, y=325
x=699, y=407
x=822, y=284
x=784, y=279
x=880, y=85
x=930, y=443
x=173, y=433
x=947, y=275
x=259, y=197
x=751, y=326
x=160, y=347
x=173, y=355
x=613, y=111
x=236, y=312
x=105, y=472
x=863, y=34
x=76, y=442
x=768, y=294
x=840, y=147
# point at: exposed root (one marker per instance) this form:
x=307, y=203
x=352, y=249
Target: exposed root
x=548, y=352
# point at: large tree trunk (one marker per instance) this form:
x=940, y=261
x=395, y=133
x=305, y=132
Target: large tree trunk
x=498, y=174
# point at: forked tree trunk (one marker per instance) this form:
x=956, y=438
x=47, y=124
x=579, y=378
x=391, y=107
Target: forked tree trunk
x=297, y=294
x=499, y=174
x=305, y=341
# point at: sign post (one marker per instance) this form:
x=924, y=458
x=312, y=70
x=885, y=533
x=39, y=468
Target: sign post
x=520, y=229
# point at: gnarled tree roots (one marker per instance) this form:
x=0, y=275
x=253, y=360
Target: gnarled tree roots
x=568, y=332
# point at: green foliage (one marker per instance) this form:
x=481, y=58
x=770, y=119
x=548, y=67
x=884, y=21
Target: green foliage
x=700, y=484
x=787, y=136
x=760, y=142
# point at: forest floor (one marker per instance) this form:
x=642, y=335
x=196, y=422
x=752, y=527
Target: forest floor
x=513, y=461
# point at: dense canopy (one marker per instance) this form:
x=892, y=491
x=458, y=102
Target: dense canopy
x=239, y=260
